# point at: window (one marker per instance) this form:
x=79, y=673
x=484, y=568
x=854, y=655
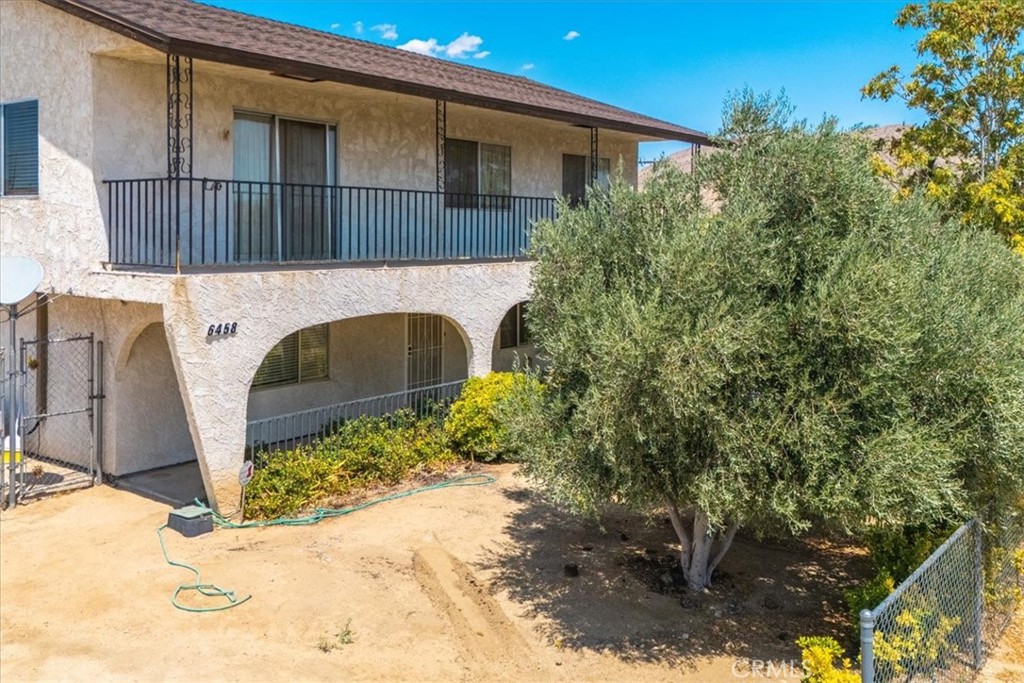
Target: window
x=604, y=173
x=19, y=148
x=576, y=176
x=476, y=168
x=299, y=357
x=513, y=331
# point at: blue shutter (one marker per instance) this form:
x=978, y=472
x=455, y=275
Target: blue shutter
x=21, y=147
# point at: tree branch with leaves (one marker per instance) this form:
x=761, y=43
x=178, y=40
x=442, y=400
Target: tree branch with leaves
x=969, y=153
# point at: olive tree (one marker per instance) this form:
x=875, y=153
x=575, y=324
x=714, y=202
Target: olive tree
x=773, y=343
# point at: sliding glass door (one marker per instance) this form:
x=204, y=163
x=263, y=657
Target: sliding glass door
x=283, y=171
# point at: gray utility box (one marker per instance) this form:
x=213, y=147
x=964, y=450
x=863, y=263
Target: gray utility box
x=190, y=521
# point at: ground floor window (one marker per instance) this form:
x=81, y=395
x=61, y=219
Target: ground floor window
x=513, y=331
x=299, y=357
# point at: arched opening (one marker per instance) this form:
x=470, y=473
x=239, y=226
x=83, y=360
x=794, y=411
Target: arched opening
x=512, y=341
x=365, y=365
x=145, y=447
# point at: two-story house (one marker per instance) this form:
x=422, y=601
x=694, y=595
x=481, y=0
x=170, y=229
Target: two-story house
x=259, y=219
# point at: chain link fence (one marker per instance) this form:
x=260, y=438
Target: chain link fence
x=940, y=623
x=58, y=390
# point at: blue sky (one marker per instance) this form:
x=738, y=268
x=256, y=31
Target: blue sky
x=672, y=60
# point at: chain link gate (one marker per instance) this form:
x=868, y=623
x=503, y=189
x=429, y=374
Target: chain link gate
x=59, y=386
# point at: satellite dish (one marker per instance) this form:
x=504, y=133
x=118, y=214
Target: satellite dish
x=19, y=277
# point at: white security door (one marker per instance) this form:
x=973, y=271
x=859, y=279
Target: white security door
x=426, y=351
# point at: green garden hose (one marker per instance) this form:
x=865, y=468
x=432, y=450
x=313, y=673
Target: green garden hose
x=212, y=591
x=206, y=589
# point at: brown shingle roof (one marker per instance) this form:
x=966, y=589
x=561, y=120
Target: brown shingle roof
x=205, y=32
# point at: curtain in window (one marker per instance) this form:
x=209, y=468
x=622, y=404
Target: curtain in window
x=496, y=174
x=20, y=144
x=574, y=177
x=304, y=173
x=460, y=173
x=604, y=174
x=255, y=233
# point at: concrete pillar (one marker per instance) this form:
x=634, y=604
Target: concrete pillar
x=213, y=376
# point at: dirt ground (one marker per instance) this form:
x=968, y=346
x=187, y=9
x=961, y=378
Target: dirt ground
x=1006, y=663
x=464, y=584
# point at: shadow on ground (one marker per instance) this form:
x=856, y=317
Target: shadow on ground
x=626, y=599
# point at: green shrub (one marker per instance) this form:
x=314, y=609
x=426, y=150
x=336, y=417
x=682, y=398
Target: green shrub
x=362, y=453
x=868, y=595
x=473, y=423
x=895, y=554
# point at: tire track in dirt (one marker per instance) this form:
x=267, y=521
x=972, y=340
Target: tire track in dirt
x=486, y=638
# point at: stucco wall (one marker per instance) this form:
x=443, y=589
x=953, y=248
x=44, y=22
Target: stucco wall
x=152, y=427
x=44, y=55
x=384, y=139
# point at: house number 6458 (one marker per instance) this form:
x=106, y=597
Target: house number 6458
x=221, y=329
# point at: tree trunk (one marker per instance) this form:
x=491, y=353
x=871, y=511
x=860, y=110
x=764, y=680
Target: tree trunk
x=695, y=557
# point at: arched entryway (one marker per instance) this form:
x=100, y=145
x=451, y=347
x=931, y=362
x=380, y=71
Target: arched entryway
x=369, y=364
x=153, y=453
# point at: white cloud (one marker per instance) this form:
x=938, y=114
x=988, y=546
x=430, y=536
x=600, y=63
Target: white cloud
x=358, y=26
x=460, y=48
x=571, y=35
x=527, y=67
x=421, y=47
x=387, y=31
x=335, y=25
x=463, y=46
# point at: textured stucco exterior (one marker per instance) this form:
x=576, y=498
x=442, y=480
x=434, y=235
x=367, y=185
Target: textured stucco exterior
x=172, y=392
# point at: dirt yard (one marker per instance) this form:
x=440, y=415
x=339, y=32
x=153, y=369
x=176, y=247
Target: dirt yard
x=463, y=584
x=1006, y=663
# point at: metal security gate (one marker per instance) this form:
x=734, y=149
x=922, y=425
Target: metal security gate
x=59, y=385
x=425, y=364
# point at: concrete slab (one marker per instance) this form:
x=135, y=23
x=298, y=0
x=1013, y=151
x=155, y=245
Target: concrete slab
x=175, y=485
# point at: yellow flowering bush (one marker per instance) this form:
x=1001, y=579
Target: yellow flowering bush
x=920, y=637
x=473, y=424
x=823, y=661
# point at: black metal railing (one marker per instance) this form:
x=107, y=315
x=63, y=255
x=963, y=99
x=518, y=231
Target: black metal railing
x=204, y=222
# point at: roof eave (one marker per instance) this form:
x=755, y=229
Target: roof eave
x=247, y=59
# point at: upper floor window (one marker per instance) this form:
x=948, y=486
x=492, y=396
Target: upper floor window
x=299, y=357
x=576, y=176
x=19, y=148
x=513, y=331
x=472, y=169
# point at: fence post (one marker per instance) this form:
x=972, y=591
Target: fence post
x=867, y=646
x=979, y=595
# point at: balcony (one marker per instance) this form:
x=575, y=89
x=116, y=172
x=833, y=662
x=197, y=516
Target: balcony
x=202, y=222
